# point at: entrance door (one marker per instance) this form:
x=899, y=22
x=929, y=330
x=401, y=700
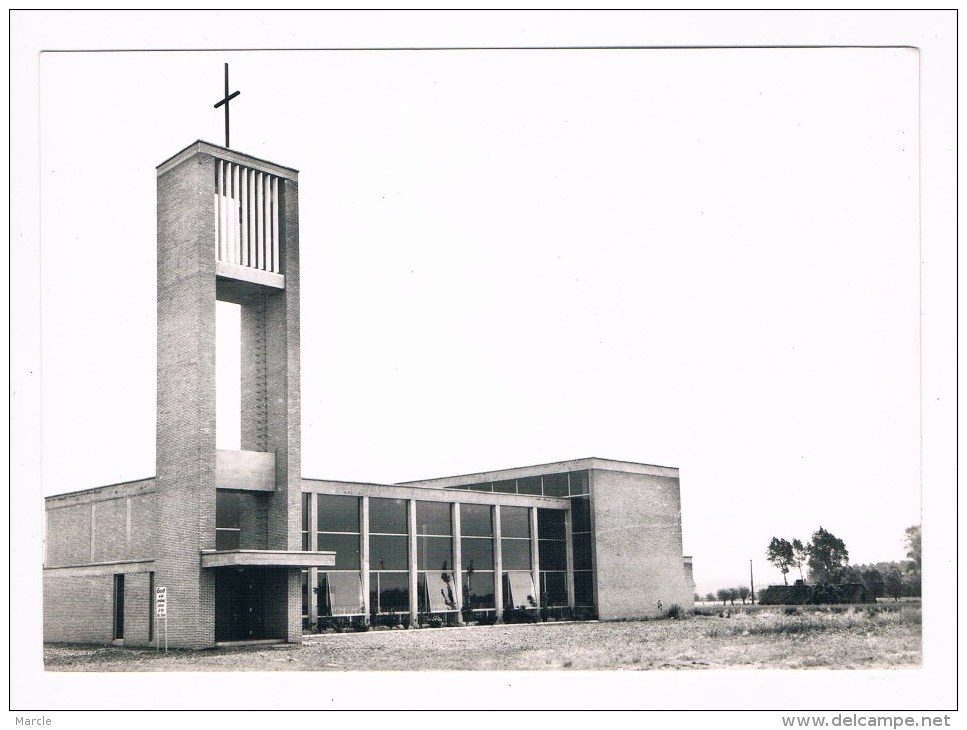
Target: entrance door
x=249, y=603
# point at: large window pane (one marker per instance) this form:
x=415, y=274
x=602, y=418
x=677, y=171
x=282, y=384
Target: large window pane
x=346, y=548
x=438, y=591
x=583, y=588
x=433, y=518
x=514, y=522
x=340, y=594
x=389, y=592
x=581, y=514
x=479, y=590
x=529, y=485
x=388, y=552
x=476, y=520
x=508, y=486
x=579, y=482
x=582, y=551
x=550, y=524
x=555, y=485
x=477, y=552
x=228, y=509
x=519, y=590
x=338, y=513
x=387, y=515
x=552, y=554
x=554, y=588
x=434, y=553
x=515, y=554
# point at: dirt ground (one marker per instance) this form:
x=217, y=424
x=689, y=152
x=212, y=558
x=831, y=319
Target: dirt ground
x=767, y=639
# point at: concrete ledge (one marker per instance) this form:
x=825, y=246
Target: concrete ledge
x=85, y=569
x=267, y=559
x=245, y=470
x=249, y=274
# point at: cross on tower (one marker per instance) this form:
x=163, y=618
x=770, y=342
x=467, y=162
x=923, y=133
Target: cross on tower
x=228, y=98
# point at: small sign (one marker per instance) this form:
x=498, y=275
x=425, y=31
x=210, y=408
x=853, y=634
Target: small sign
x=161, y=601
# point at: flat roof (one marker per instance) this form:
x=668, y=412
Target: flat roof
x=225, y=153
x=591, y=462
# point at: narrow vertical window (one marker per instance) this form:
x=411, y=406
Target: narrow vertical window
x=119, y=606
x=306, y=497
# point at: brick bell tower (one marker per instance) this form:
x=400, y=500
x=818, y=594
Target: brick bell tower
x=229, y=522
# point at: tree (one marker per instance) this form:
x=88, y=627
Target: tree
x=800, y=554
x=710, y=596
x=912, y=540
x=697, y=598
x=723, y=595
x=733, y=594
x=743, y=593
x=874, y=581
x=827, y=555
x=911, y=584
x=893, y=582
x=780, y=554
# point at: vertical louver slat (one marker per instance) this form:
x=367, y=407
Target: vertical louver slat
x=277, y=264
x=250, y=219
x=259, y=238
x=236, y=221
x=269, y=262
x=243, y=213
x=263, y=208
x=218, y=210
x=247, y=217
x=226, y=220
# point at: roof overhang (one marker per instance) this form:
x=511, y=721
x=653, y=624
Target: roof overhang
x=266, y=559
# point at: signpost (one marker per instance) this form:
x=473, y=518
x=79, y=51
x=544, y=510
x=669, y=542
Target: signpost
x=161, y=611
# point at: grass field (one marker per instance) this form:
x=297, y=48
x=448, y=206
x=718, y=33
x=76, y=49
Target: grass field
x=881, y=636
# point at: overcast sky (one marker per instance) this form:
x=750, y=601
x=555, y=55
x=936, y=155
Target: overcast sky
x=695, y=258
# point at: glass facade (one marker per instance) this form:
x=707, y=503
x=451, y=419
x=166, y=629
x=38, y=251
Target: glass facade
x=389, y=582
x=339, y=589
x=477, y=556
x=552, y=556
x=581, y=546
x=439, y=581
x=434, y=557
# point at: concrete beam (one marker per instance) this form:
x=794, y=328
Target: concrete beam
x=266, y=559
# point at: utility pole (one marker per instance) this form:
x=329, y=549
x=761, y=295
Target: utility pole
x=751, y=583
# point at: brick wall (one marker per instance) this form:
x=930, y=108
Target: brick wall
x=79, y=606
x=138, y=603
x=186, y=396
x=109, y=524
x=69, y=535
x=637, y=544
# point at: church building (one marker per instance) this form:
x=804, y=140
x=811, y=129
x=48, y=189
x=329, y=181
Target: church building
x=227, y=546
